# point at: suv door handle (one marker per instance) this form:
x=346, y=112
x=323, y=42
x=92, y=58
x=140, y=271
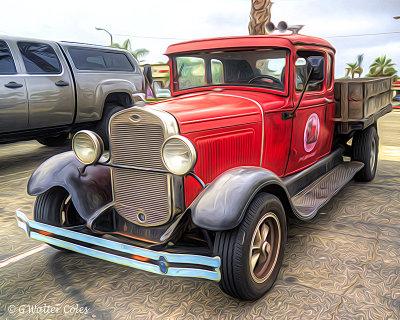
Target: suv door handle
x=329, y=100
x=62, y=83
x=13, y=85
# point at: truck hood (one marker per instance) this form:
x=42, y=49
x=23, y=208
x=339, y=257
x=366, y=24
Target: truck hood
x=209, y=110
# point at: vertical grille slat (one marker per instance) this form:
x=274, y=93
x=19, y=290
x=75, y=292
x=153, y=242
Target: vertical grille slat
x=136, y=140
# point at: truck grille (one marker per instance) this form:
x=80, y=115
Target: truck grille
x=141, y=197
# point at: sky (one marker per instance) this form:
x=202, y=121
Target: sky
x=156, y=24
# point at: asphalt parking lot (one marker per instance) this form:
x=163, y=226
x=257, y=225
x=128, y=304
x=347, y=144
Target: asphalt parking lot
x=345, y=264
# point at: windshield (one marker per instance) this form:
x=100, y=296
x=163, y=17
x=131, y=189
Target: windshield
x=257, y=68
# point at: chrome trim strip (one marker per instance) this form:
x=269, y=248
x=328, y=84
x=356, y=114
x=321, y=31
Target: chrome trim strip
x=214, y=262
x=262, y=119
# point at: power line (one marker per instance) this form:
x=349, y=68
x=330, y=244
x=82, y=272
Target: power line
x=364, y=34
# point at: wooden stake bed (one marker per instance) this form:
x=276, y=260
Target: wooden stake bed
x=358, y=99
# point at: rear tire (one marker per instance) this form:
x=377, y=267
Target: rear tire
x=55, y=141
x=102, y=125
x=55, y=207
x=366, y=149
x=252, y=253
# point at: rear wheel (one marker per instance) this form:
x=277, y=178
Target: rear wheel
x=54, y=141
x=365, y=149
x=102, y=125
x=252, y=253
x=55, y=207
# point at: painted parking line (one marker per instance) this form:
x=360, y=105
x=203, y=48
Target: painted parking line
x=22, y=255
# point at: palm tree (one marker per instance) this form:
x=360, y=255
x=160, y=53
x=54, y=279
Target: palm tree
x=260, y=15
x=355, y=68
x=139, y=54
x=382, y=67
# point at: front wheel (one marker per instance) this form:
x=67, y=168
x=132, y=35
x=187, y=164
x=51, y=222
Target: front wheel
x=366, y=149
x=252, y=253
x=55, y=207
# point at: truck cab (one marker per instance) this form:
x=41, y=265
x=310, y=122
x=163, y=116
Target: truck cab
x=50, y=89
x=202, y=185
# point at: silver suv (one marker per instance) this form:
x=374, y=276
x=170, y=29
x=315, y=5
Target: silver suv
x=49, y=89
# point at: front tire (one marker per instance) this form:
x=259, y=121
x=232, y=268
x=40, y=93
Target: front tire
x=55, y=207
x=366, y=149
x=252, y=253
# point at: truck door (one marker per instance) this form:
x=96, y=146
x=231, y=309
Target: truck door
x=309, y=135
x=49, y=84
x=13, y=97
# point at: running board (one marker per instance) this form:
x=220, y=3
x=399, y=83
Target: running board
x=308, y=201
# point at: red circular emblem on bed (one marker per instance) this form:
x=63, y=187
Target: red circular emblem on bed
x=311, y=132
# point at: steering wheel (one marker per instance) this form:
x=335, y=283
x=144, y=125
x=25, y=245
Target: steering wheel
x=266, y=77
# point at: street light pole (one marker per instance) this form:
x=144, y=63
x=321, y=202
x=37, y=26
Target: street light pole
x=109, y=33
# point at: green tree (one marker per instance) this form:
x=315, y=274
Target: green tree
x=139, y=54
x=355, y=68
x=382, y=67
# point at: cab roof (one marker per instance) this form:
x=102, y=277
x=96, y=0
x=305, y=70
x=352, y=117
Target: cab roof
x=286, y=40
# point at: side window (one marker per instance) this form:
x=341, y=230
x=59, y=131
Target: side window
x=100, y=60
x=329, y=74
x=7, y=65
x=301, y=72
x=217, y=71
x=39, y=58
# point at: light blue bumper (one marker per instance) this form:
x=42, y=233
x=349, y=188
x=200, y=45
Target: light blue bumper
x=164, y=263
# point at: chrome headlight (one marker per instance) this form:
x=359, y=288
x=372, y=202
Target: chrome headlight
x=87, y=146
x=178, y=155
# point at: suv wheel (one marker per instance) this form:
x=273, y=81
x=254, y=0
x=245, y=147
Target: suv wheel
x=365, y=149
x=54, y=141
x=252, y=253
x=102, y=125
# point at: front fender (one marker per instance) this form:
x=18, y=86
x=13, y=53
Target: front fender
x=89, y=191
x=223, y=203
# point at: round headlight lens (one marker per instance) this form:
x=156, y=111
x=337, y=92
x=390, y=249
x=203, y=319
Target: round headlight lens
x=87, y=146
x=179, y=155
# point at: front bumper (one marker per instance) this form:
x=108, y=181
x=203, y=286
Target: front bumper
x=164, y=263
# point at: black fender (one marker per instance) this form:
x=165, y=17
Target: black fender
x=89, y=191
x=223, y=203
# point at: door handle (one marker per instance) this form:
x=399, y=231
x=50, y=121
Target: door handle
x=329, y=100
x=62, y=83
x=13, y=85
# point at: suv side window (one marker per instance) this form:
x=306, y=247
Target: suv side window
x=100, y=60
x=7, y=65
x=39, y=58
x=301, y=71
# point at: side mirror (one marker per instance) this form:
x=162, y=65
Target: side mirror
x=317, y=64
x=147, y=73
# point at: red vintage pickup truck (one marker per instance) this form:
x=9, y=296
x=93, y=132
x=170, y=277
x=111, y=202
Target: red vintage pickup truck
x=202, y=185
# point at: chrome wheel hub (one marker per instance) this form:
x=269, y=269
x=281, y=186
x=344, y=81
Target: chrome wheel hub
x=264, y=247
